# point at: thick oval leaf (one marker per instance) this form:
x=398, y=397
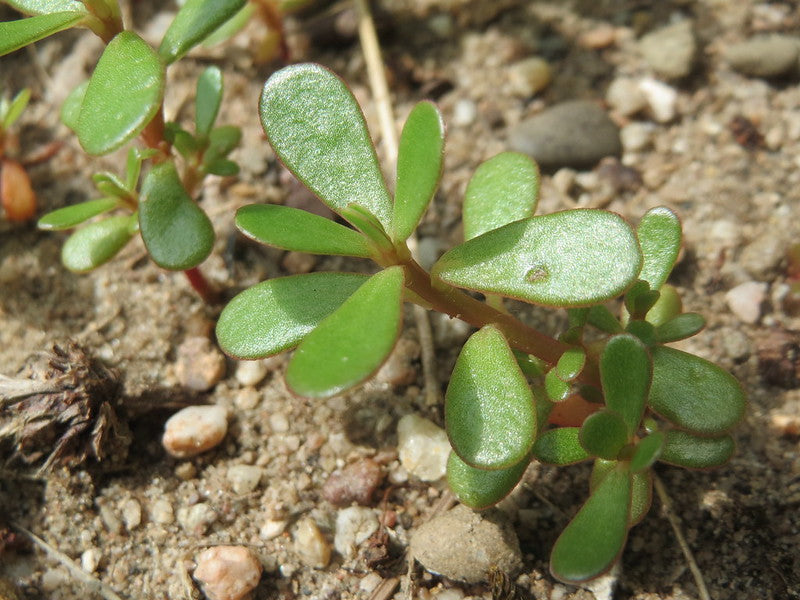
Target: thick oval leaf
x=557, y=389
x=16, y=34
x=294, y=229
x=177, y=233
x=625, y=373
x=603, y=434
x=489, y=410
x=45, y=7
x=667, y=307
x=481, y=488
x=195, y=20
x=693, y=393
x=571, y=363
x=419, y=167
x=231, y=27
x=604, y=320
x=123, y=95
x=680, y=327
x=694, y=452
x=559, y=447
x=99, y=242
x=274, y=315
x=207, y=100
x=502, y=190
x=647, y=452
x=596, y=535
x=70, y=216
x=9, y=113
x=71, y=109
x=570, y=258
x=641, y=490
x=350, y=344
x=315, y=126
x=659, y=234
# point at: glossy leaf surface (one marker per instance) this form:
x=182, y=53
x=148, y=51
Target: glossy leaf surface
x=489, y=410
x=569, y=258
x=294, y=229
x=625, y=373
x=316, y=128
x=659, y=234
x=12, y=111
x=419, y=167
x=596, y=535
x=16, y=34
x=208, y=100
x=482, y=488
x=44, y=7
x=177, y=233
x=560, y=446
x=604, y=434
x=571, y=363
x=693, y=393
x=502, y=190
x=70, y=216
x=557, y=389
x=195, y=20
x=71, y=109
x=686, y=450
x=680, y=327
x=123, y=95
x=274, y=315
x=352, y=343
x=604, y=320
x=647, y=451
x=91, y=246
x=641, y=496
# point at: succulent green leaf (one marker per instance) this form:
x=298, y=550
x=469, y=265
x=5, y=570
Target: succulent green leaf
x=317, y=129
x=274, y=315
x=16, y=34
x=133, y=166
x=647, y=452
x=639, y=299
x=641, y=496
x=123, y=95
x=604, y=434
x=596, y=535
x=351, y=343
x=195, y=20
x=667, y=306
x=489, y=409
x=644, y=331
x=230, y=27
x=208, y=100
x=294, y=229
x=91, y=246
x=109, y=184
x=557, y=389
x=571, y=363
x=71, y=109
x=45, y=7
x=680, y=327
x=602, y=318
x=482, y=488
x=625, y=374
x=176, y=232
x=15, y=108
x=531, y=366
x=693, y=393
x=70, y=216
x=694, y=452
x=419, y=167
x=570, y=258
x=559, y=447
x=222, y=167
x=222, y=140
x=502, y=190
x=659, y=234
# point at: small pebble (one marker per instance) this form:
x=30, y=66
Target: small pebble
x=90, y=559
x=185, y=471
x=247, y=398
x=131, y=513
x=195, y=429
x=762, y=256
x=200, y=365
x=624, y=96
x=423, y=447
x=788, y=425
x=778, y=352
x=250, y=372
x=272, y=528
x=398, y=369
x=279, y=422
x=227, y=572
x=636, y=136
x=299, y=263
x=661, y=99
x=197, y=518
x=353, y=526
x=670, y=50
x=464, y=112
x=355, y=483
x=54, y=579
x=161, y=512
x=369, y=582
x=244, y=478
x=311, y=546
x=528, y=76
x=765, y=56
x=599, y=37
x=745, y=300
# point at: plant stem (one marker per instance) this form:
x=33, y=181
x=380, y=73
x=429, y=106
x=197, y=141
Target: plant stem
x=200, y=284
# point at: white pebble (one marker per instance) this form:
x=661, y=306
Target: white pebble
x=227, y=572
x=745, y=300
x=369, y=582
x=272, y=528
x=250, y=372
x=194, y=429
x=197, y=518
x=161, y=512
x=53, y=579
x=464, y=112
x=311, y=546
x=449, y=594
x=279, y=423
x=528, y=76
x=423, y=447
x=90, y=559
x=244, y=478
x=636, y=136
x=353, y=526
x=131, y=513
x=661, y=99
x=624, y=96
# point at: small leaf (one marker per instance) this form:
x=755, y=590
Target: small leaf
x=667, y=306
x=571, y=363
x=489, y=412
x=274, y=315
x=294, y=229
x=481, y=488
x=123, y=95
x=643, y=331
x=45, y=7
x=680, y=327
x=419, y=167
x=195, y=20
x=641, y=496
x=71, y=109
x=109, y=184
x=659, y=234
x=531, y=366
x=230, y=27
x=559, y=447
x=70, y=216
x=16, y=34
x=693, y=393
x=570, y=258
x=694, y=452
x=352, y=343
x=15, y=108
x=557, y=389
x=222, y=168
x=596, y=535
x=502, y=190
x=207, y=100
x=647, y=452
x=222, y=140
x=316, y=128
x=600, y=317
x=639, y=299
x=604, y=434
x=133, y=166
x=185, y=143
x=176, y=232
x=625, y=373
x=91, y=246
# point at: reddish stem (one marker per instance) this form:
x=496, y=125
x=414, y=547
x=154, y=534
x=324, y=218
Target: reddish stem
x=201, y=286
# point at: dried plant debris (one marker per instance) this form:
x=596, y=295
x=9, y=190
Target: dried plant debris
x=62, y=409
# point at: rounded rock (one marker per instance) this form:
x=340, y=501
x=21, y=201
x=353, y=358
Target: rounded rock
x=311, y=546
x=528, y=76
x=200, y=365
x=423, y=447
x=355, y=483
x=765, y=56
x=624, y=96
x=244, y=478
x=250, y=372
x=227, y=572
x=353, y=526
x=194, y=430
x=746, y=299
x=670, y=51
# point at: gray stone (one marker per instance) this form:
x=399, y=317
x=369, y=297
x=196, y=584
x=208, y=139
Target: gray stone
x=670, y=50
x=576, y=133
x=765, y=55
x=462, y=544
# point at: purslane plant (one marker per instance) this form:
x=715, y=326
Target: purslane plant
x=619, y=397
